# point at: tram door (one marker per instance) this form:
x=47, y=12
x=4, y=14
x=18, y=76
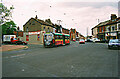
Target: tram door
x=63, y=39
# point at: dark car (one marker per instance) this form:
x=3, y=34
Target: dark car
x=114, y=43
x=21, y=42
x=88, y=40
x=104, y=41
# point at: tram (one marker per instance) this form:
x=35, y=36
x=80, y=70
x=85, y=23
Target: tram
x=56, y=39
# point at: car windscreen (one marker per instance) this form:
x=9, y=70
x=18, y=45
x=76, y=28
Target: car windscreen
x=81, y=39
x=48, y=37
x=114, y=41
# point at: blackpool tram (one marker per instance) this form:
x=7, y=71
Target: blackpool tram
x=56, y=39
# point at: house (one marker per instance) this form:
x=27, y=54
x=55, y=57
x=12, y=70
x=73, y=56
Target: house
x=35, y=24
x=118, y=28
x=65, y=31
x=101, y=30
x=94, y=31
x=109, y=29
x=73, y=34
x=35, y=28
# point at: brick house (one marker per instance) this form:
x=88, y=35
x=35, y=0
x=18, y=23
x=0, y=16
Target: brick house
x=66, y=31
x=109, y=29
x=35, y=24
x=34, y=30
x=73, y=34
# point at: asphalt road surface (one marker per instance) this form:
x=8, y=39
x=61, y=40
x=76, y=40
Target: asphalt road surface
x=74, y=60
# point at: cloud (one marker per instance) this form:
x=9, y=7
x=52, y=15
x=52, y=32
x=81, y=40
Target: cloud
x=79, y=15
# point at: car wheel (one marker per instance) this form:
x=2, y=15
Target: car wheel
x=109, y=47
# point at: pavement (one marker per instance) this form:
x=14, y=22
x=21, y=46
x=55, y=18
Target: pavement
x=36, y=43
x=12, y=47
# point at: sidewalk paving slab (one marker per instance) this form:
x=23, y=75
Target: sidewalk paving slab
x=12, y=47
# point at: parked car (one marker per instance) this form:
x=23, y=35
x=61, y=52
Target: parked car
x=89, y=40
x=104, y=41
x=13, y=41
x=21, y=42
x=82, y=41
x=114, y=43
x=74, y=40
x=96, y=40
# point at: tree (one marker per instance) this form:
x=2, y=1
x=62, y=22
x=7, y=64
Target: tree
x=6, y=24
x=5, y=13
x=8, y=28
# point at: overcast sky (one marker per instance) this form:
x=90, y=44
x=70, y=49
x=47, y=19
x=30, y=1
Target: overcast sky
x=76, y=14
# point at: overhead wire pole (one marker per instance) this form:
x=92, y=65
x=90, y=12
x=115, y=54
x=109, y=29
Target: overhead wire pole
x=87, y=32
x=59, y=21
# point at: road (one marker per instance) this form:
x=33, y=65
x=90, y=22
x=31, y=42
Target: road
x=74, y=60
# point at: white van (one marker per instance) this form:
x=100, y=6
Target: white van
x=95, y=40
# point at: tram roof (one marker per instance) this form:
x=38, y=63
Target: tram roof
x=59, y=34
x=66, y=34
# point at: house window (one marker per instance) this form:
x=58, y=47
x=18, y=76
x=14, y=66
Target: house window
x=118, y=26
x=48, y=29
x=102, y=29
x=98, y=30
x=108, y=28
x=27, y=29
x=113, y=28
x=44, y=28
x=33, y=23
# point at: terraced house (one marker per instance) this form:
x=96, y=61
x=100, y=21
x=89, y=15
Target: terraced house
x=109, y=29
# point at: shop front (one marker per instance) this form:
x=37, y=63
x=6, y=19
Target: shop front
x=33, y=37
x=101, y=36
x=111, y=35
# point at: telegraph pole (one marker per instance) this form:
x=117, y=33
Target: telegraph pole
x=98, y=21
x=87, y=32
x=59, y=21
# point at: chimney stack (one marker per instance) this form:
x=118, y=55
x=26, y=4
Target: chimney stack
x=113, y=16
x=36, y=17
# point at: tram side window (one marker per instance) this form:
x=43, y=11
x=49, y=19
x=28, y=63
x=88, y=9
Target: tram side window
x=61, y=37
x=55, y=36
x=65, y=37
x=68, y=37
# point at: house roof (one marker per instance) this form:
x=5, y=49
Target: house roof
x=108, y=22
x=41, y=22
x=103, y=23
x=65, y=29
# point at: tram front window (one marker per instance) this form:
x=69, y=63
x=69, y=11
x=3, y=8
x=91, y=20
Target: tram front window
x=48, y=37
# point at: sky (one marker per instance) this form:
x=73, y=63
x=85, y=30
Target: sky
x=76, y=14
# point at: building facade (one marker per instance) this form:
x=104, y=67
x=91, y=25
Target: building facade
x=65, y=31
x=35, y=24
x=94, y=32
x=109, y=29
x=73, y=34
x=34, y=30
